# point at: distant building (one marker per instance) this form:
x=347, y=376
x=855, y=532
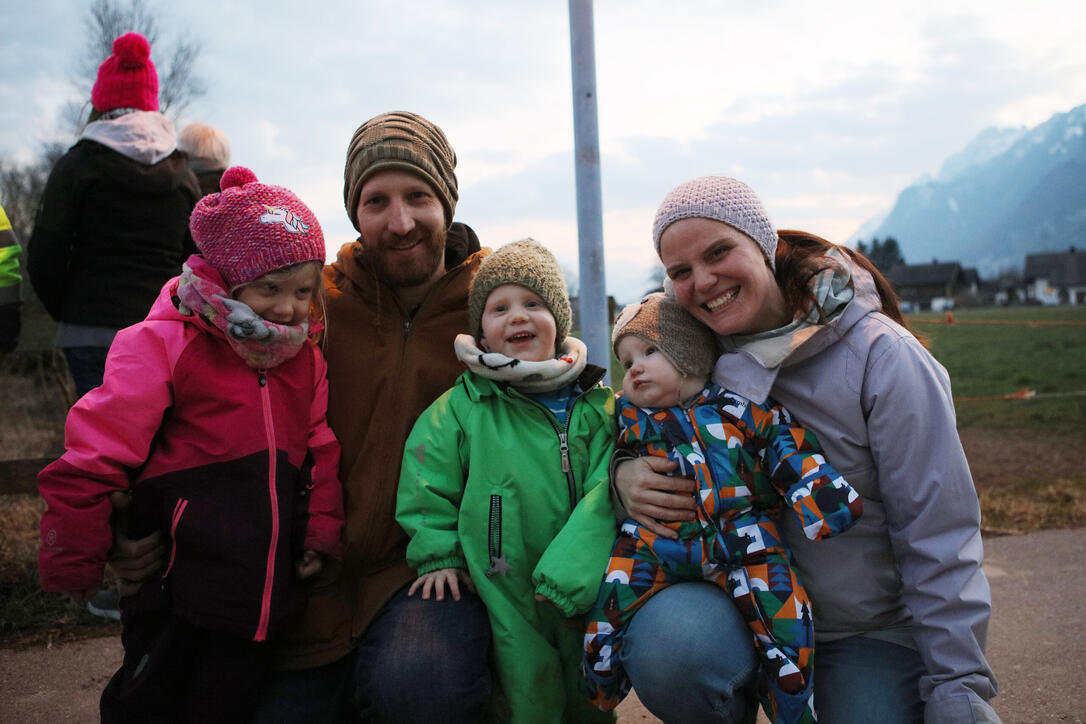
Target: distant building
x=1056, y=278
x=937, y=285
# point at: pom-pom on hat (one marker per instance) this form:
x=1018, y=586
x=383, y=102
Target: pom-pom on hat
x=529, y=264
x=250, y=228
x=405, y=141
x=127, y=79
x=723, y=199
x=661, y=321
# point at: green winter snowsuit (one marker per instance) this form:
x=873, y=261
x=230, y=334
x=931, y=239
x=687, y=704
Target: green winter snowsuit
x=483, y=488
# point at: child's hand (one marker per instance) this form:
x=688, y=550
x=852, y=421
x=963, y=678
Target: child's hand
x=133, y=561
x=310, y=564
x=437, y=581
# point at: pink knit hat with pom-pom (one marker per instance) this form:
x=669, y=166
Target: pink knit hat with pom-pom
x=127, y=79
x=250, y=228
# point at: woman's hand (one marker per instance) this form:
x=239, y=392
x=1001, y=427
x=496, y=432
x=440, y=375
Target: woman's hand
x=649, y=496
x=133, y=561
x=437, y=580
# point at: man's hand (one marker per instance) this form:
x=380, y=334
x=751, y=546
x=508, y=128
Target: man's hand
x=649, y=496
x=437, y=580
x=133, y=561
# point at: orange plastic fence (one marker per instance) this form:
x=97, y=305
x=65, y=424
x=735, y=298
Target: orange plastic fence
x=950, y=319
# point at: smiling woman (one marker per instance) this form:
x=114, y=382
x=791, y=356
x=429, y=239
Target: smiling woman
x=900, y=602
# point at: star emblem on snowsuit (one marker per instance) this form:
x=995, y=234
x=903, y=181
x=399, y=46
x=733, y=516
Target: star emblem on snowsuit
x=498, y=566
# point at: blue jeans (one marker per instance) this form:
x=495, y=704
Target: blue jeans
x=87, y=366
x=861, y=679
x=690, y=657
x=419, y=661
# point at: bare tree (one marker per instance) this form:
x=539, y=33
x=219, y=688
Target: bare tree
x=174, y=52
x=21, y=187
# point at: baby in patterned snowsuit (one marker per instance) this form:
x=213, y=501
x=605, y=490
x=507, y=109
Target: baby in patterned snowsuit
x=749, y=462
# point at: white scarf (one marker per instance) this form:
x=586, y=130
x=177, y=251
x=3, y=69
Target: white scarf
x=551, y=374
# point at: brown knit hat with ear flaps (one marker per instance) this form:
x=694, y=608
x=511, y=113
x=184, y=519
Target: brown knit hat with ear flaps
x=662, y=322
x=405, y=141
x=529, y=264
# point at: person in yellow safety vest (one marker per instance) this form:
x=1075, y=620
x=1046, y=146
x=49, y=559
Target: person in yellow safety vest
x=10, y=286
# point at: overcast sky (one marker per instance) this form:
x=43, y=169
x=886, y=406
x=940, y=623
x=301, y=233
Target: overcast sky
x=828, y=109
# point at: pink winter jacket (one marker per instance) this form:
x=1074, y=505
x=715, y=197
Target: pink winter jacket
x=237, y=467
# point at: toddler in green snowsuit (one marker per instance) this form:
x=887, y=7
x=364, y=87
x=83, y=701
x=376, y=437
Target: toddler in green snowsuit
x=504, y=483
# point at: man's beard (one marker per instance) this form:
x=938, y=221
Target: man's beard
x=406, y=274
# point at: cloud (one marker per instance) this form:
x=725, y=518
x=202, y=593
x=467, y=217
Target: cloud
x=827, y=109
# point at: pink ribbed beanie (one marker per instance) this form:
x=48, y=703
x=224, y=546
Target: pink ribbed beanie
x=127, y=79
x=250, y=228
x=723, y=199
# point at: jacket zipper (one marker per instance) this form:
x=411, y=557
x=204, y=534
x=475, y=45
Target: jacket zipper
x=273, y=544
x=689, y=412
x=563, y=442
x=494, y=536
x=178, y=511
x=714, y=519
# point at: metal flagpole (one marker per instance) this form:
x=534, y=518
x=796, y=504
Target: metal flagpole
x=592, y=305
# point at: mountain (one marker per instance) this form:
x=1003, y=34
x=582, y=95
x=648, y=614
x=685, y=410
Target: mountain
x=1008, y=193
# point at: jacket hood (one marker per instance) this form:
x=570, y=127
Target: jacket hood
x=461, y=242
x=146, y=137
x=461, y=247
x=168, y=176
x=741, y=369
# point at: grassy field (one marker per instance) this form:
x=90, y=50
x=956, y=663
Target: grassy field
x=1024, y=452
x=992, y=352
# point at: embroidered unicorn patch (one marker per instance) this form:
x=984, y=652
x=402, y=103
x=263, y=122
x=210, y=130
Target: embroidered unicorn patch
x=284, y=216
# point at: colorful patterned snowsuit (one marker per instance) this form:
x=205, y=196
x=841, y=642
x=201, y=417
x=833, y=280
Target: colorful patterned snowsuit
x=747, y=459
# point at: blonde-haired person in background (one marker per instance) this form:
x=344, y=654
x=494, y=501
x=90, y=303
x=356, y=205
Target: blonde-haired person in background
x=208, y=150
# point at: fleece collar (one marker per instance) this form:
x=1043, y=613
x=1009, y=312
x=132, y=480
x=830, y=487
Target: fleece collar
x=146, y=137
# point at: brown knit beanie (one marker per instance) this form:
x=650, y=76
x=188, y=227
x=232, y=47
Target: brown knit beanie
x=529, y=264
x=662, y=322
x=405, y=141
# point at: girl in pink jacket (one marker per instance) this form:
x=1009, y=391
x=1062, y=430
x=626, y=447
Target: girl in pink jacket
x=212, y=417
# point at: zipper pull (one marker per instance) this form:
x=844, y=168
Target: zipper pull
x=563, y=445
x=406, y=327
x=262, y=378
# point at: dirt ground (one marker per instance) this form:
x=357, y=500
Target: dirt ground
x=61, y=682
x=1037, y=590
x=1003, y=457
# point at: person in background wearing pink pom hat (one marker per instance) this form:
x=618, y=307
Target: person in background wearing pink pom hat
x=113, y=221
x=212, y=417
